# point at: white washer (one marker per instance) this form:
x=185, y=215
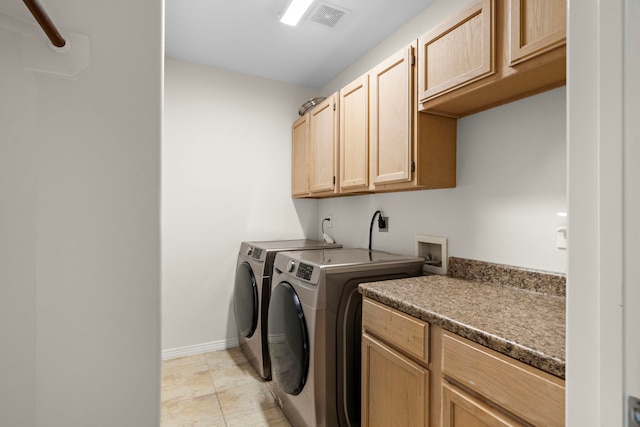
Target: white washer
x=315, y=318
x=251, y=294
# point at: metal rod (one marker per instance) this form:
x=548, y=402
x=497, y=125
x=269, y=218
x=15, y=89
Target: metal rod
x=45, y=22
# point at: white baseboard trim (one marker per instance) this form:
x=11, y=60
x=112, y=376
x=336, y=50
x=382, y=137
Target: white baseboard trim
x=205, y=347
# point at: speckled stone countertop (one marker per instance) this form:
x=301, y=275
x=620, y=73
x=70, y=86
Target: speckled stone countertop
x=526, y=325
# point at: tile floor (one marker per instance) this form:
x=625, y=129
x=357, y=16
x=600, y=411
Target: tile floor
x=216, y=389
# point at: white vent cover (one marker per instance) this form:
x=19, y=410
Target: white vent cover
x=327, y=14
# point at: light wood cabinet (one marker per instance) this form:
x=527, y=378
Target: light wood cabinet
x=535, y=27
x=354, y=136
x=491, y=53
x=314, y=151
x=457, y=52
x=409, y=150
x=407, y=362
x=395, y=388
x=385, y=145
x=395, y=379
x=460, y=409
x=300, y=157
x=323, y=137
x=527, y=393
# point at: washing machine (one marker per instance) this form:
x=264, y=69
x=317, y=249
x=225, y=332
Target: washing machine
x=314, y=324
x=251, y=294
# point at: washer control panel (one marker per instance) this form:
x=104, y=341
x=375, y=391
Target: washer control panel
x=304, y=271
x=256, y=253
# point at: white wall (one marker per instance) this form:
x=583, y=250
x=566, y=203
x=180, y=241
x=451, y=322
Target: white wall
x=602, y=249
x=18, y=281
x=510, y=186
x=226, y=176
x=79, y=245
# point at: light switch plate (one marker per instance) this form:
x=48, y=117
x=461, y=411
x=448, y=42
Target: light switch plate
x=561, y=237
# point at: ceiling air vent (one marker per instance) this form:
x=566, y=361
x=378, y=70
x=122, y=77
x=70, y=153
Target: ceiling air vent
x=327, y=14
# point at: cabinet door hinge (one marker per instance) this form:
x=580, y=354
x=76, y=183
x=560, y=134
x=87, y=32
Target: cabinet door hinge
x=334, y=106
x=413, y=60
x=334, y=180
x=413, y=166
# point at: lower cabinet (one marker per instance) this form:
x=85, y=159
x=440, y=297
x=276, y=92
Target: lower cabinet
x=395, y=388
x=417, y=374
x=460, y=409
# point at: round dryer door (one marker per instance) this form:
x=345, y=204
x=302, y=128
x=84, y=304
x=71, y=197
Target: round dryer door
x=288, y=339
x=245, y=300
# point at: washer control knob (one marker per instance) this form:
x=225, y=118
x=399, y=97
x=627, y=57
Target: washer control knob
x=291, y=266
x=249, y=250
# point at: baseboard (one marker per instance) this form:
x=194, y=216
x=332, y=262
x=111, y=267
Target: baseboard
x=206, y=347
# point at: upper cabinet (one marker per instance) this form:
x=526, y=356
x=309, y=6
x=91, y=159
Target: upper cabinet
x=535, y=27
x=493, y=52
x=409, y=150
x=457, y=52
x=392, y=118
x=323, y=141
x=314, y=151
x=354, y=136
x=385, y=145
x=394, y=128
x=300, y=154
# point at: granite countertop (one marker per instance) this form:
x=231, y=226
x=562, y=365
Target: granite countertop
x=526, y=325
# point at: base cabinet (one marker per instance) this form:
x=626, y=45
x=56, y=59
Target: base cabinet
x=460, y=409
x=417, y=374
x=395, y=389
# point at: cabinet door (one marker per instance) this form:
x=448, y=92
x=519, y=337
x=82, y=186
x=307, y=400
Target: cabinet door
x=457, y=52
x=323, y=134
x=530, y=394
x=354, y=135
x=300, y=157
x=391, y=113
x=536, y=27
x=462, y=410
x=395, y=390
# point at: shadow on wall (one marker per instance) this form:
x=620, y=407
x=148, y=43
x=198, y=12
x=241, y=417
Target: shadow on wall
x=307, y=210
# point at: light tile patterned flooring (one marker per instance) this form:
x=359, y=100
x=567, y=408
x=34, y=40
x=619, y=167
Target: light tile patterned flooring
x=214, y=389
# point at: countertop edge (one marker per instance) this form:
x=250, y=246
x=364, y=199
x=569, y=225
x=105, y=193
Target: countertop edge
x=529, y=356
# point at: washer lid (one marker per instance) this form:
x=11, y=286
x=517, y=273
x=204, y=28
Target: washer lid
x=290, y=245
x=350, y=257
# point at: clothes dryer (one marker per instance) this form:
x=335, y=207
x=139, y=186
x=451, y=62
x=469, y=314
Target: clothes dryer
x=251, y=293
x=314, y=324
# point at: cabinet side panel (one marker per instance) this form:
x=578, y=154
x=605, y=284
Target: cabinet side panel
x=436, y=151
x=299, y=158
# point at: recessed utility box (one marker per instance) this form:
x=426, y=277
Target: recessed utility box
x=434, y=251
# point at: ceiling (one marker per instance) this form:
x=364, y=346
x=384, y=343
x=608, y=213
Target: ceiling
x=245, y=36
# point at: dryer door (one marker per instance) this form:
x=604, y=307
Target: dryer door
x=245, y=300
x=288, y=339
